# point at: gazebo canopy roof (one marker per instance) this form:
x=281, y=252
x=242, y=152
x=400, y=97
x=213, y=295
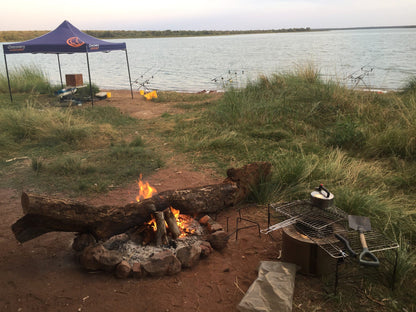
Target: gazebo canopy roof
x=66, y=38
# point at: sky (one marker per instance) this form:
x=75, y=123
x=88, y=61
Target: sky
x=204, y=14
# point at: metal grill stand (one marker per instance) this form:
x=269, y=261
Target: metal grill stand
x=324, y=226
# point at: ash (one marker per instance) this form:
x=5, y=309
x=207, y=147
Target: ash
x=133, y=252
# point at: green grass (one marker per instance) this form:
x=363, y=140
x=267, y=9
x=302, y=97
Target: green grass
x=81, y=150
x=28, y=79
x=361, y=145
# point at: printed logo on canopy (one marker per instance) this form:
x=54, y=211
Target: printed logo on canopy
x=75, y=42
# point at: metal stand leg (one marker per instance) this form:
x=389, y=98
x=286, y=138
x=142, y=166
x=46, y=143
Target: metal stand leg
x=394, y=270
x=239, y=219
x=339, y=261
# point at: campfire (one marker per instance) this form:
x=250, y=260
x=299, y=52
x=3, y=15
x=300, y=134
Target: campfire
x=158, y=234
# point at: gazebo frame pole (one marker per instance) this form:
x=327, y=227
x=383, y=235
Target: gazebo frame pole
x=128, y=69
x=89, y=77
x=8, y=78
x=60, y=72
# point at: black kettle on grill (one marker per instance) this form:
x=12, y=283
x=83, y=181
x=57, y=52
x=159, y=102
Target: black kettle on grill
x=322, y=198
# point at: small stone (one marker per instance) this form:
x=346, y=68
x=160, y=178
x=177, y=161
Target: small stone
x=97, y=257
x=114, y=242
x=123, y=269
x=214, y=227
x=218, y=240
x=109, y=260
x=204, y=220
x=137, y=270
x=206, y=248
x=162, y=263
x=90, y=255
x=83, y=240
x=189, y=255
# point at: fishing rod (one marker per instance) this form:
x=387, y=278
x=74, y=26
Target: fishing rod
x=360, y=74
x=145, y=80
x=229, y=78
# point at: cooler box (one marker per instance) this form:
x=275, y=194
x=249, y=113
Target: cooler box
x=74, y=80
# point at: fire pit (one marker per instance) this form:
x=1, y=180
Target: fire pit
x=157, y=235
x=163, y=245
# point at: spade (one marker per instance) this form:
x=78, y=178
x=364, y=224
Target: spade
x=362, y=224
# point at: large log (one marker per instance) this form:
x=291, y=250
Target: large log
x=44, y=214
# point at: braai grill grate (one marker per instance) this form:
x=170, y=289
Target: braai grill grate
x=321, y=224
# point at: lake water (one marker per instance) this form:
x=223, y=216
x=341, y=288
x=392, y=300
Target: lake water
x=376, y=58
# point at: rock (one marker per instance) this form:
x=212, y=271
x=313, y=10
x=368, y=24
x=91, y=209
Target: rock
x=162, y=263
x=89, y=257
x=109, y=260
x=189, y=255
x=114, y=242
x=137, y=270
x=218, y=240
x=204, y=220
x=97, y=257
x=83, y=240
x=206, y=248
x=214, y=227
x=123, y=269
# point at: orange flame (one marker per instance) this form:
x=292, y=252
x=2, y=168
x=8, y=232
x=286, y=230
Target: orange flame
x=145, y=190
x=183, y=222
x=153, y=224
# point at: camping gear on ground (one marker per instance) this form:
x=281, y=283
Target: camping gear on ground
x=66, y=38
x=322, y=198
x=74, y=80
x=308, y=229
x=362, y=224
x=151, y=95
x=272, y=290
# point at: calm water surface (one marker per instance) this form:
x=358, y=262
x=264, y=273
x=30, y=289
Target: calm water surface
x=377, y=58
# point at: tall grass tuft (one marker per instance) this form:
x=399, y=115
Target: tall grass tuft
x=47, y=127
x=26, y=79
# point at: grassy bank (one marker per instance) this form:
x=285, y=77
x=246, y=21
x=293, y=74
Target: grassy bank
x=360, y=145
x=81, y=150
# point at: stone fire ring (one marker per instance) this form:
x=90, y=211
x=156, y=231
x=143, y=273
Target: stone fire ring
x=124, y=257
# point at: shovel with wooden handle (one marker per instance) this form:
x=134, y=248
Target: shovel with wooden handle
x=362, y=224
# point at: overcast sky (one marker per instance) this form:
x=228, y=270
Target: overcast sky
x=204, y=14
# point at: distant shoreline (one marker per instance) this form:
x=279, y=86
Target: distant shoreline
x=23, y=35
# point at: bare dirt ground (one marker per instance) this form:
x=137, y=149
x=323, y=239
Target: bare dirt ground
x=42, y=274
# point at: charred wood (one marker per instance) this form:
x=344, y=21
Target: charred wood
x=171, y=222
x=161, y=238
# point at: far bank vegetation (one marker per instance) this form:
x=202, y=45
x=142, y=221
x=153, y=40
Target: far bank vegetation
x=13, y=36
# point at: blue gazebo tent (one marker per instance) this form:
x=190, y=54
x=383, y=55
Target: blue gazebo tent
x=68, y=39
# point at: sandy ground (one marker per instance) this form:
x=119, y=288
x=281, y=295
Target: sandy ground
x=42, y=274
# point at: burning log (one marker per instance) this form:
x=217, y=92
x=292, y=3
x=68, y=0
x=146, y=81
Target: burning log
x=171, y=222
x=161, y=238
x=44, y=214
